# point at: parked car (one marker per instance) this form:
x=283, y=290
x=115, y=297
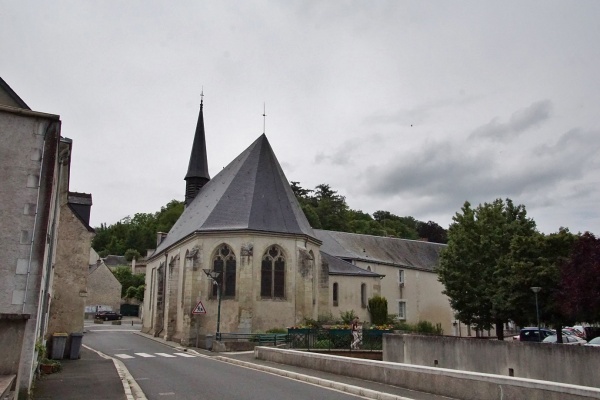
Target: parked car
x=568, y=339
x=108, y=315
x=574, y=331
x=591, y=332
x=530, y=334
x=594, y=342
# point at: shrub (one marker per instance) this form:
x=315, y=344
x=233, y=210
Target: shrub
x=347, y=316
x=378, y=310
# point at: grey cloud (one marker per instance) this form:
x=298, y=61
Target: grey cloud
x=519, y=122
x=343, y=154
x=418, y=113
x=450, y=174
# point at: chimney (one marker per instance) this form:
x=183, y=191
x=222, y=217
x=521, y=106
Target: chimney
x=160, y=236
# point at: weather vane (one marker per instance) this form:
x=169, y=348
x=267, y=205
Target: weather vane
x=202, y=96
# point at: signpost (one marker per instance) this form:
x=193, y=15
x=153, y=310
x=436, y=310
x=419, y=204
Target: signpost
x=199, y=309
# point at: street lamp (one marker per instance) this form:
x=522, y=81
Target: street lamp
x=535, y=290
x=213, y=275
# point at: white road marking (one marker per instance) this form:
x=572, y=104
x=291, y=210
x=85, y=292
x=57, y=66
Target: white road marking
x=144, y=355
x=166, y=355
x=123, y=356
x=167, y=394
x=184, y=355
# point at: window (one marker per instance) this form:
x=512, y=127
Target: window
x=272, y=274
x=363, y=295
x=335, y=294
x=401, y=309
x=401, y=277
x=224, y=263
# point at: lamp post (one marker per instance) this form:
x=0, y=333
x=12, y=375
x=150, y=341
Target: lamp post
x=213, y=275
x=536, y=289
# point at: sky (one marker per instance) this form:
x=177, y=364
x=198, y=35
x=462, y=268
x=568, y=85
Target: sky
x=411, y=107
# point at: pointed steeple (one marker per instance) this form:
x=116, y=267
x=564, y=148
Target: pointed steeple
x=197, y=173
x=251, y=193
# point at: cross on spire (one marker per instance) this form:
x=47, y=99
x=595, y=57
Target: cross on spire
x=264, y=117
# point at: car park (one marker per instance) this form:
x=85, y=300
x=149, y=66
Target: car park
x=108, y=316
x=568, y=339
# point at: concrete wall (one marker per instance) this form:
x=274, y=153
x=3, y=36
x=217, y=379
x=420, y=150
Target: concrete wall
x=12, y=332
x=103, y=288
x=443, y=382
x=577, y=365
x=70, y=274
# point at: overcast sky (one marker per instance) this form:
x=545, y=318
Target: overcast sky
x=412, y=107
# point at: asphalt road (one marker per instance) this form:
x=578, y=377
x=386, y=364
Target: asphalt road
x=165, y=373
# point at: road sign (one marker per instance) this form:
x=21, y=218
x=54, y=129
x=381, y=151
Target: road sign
x=199, y=309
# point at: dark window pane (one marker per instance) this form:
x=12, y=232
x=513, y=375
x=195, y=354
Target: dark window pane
x=230, y=277
x=279, y=277
x=266, y=278
x=335, y=292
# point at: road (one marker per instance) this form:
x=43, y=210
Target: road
x=166, y=373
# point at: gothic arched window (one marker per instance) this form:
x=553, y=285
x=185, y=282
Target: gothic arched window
x=272, y=273
x=224, y=263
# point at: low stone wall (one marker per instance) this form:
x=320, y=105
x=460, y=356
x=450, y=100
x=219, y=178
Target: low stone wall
x=440, y=381
x=577, y=365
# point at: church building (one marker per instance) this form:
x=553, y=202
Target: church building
x=245, y=227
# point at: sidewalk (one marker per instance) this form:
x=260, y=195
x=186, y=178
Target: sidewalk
x=92, y=377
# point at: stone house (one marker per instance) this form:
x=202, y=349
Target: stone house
x=272, y=269
x=44, y=240
x=103, y=288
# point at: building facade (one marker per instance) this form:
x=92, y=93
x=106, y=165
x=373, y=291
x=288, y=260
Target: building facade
x=43, y=240
x=246, y=229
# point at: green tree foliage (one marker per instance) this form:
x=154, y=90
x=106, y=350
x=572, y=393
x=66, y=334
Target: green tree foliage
x=580, y=280
x=137, y=233
x=474, y=267
x=130, y=254
x=326, y=209
x=432, y=232
x=378, y=308
x=130, y=283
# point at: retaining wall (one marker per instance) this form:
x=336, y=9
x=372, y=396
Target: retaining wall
x=577, y=365
x=445, y=382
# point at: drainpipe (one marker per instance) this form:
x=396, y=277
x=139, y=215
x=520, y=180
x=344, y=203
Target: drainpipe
x=35, y=220
x=62, y=159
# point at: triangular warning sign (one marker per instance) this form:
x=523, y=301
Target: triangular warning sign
x=199, y=309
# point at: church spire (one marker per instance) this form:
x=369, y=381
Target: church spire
x=197, y=173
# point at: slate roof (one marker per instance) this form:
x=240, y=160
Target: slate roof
x=384, y=250
x=198, y=166
x=337, y=266
x=251, y=193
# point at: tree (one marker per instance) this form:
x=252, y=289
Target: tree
x=128, y=280
x=137, y=233
x=535, y=261
x=130, y=254
x=473, y=267
x=432, y=232
x=580, y=280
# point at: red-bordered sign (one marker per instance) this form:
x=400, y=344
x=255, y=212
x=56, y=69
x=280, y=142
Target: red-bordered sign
x=199, y=309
